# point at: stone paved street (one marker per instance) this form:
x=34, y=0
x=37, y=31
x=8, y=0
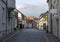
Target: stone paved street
x=28, y=35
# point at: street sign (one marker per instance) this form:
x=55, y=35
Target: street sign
x=53, y=11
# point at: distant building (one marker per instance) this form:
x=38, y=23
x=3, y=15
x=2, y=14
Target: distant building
x=36, y=23
x=41, y=22
x=43, y=19
x=21, y=19
x=29, y=21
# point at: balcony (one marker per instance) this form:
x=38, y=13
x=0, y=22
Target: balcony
x=11, y=4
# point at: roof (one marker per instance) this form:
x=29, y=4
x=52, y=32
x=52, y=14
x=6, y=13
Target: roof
x=19, y=12
x=30, y=17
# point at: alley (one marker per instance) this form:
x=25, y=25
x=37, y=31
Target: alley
x=28, y=35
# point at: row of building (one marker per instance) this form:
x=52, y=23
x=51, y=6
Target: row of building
x=11, y=18
x=26, y=21
x=54, y=17
x=8, y=17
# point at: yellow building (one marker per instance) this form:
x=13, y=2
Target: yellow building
x=41, y=22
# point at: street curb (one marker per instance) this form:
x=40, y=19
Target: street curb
x=9, y=34
x=45, y=36
x=9, y=37
x=52, y=38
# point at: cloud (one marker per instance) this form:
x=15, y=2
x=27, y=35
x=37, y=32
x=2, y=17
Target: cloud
x=20, y=6
x=32, y=10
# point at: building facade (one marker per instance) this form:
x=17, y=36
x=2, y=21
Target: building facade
x=54, y=17
x=41, y=22
x=29, y=21
x=36, y=23
x=21, y=20
x=2, y=18
x=8, y=20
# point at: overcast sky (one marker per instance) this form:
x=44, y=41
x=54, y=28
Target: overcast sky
x=32, y=7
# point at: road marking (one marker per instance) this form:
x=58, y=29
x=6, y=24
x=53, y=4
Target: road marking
x=9, y=37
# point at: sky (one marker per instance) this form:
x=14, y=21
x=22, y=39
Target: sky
x=32, y=7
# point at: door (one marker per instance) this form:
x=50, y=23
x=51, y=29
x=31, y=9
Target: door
x=30, y=25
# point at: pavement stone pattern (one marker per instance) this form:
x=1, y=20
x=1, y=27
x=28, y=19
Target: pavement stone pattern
x=8, y=35
x=51, y=37
x=28, y=35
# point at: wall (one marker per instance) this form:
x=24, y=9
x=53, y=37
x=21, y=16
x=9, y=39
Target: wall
x=59, y=18
x=55, y=19
x=11, y=3
x=6, y=25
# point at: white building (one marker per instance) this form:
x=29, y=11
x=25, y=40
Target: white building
x=2, y=18
x=54, y=17
x=58, y=4
x=21, y=19
x=8, y=20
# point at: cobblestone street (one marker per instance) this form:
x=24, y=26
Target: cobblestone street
x=28, y=35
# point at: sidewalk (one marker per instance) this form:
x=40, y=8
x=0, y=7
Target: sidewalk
x=5, y=37
x=51, y=38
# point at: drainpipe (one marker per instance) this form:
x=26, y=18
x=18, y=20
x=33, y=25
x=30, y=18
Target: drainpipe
x=6, y=16
x=57, y=21
x=51, y=19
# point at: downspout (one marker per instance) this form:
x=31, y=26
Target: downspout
x=51, y=19
x=6, y=16
x=57, y=20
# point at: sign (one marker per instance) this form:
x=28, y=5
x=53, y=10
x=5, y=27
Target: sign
x=23, y=22
x=53, y=11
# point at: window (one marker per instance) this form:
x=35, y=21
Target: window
x=54, y=2
x=57, y=2
x=3, y=9
x=51, y=7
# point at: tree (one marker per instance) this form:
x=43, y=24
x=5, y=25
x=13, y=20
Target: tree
x=44, y=15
